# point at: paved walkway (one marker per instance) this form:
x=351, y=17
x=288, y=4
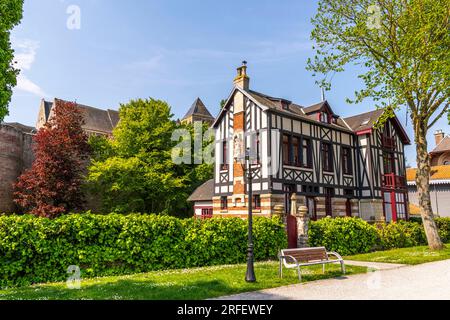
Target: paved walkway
x=426, y=281
x=375, y=265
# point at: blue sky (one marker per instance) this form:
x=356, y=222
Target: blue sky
x=171, y=50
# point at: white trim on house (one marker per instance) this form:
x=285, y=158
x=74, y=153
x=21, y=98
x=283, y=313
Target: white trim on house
x=436, y=181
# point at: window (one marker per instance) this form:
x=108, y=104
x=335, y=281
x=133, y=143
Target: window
x=258, y=151
x=327, y=157
x=223, y=203
x=349, y=193
x=286, y=156
x=324, y=117
x=224, y=156
x=347, y=160
x=257, y=202
x=207, y=213
x=306, y=153
x=310, y=189
x=388, y=162
x=295, y=151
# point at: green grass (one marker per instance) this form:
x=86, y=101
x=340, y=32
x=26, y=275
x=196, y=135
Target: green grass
x=411, y=256
x=191, y=284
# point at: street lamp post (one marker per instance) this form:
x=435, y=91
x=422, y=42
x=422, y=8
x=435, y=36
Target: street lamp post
x=250, y=275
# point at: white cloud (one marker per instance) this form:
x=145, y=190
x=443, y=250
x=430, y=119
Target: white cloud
x=25, y=56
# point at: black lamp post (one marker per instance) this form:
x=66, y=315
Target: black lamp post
x=250, y=275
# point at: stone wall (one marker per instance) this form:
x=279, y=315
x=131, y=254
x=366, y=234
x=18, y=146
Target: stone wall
x=16, y=155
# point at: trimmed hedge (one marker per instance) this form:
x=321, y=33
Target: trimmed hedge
x=349, y=236
x=401, y=235
x=346, y=236
x=36, y=250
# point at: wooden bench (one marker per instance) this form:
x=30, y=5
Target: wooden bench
x=296, y=258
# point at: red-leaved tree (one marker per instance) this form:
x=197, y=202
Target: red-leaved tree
x=53, y=184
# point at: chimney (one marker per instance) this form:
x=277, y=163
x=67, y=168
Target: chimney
x=242, y=80
x=438, y=136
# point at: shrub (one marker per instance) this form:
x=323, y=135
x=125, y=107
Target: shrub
x=401, y=234
x=346, y=236
x=443, y=225
x=36, y=250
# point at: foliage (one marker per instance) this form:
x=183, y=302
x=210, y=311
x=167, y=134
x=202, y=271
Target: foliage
x=443, y=225
x=401, y=48
x=352, y=235
x=53, y=184
x=401, y=235
x=10, y=16
x=36, y=250
x=134, y=171
x=344, y=235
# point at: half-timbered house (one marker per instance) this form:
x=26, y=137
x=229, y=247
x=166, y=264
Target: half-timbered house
x=336, y=166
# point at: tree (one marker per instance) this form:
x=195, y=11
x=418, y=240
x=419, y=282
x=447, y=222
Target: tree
x=402, y=49
x=10, y=16
x=135, y=172
x=53, y=185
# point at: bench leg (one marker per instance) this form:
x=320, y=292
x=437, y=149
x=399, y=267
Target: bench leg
x=323, y=268
x=343, y=267
x=280, y=269
x=299, y=274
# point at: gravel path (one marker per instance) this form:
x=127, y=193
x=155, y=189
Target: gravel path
x=421, y=282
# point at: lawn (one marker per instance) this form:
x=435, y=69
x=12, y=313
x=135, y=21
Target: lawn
x=411, y=256
x=190, y=284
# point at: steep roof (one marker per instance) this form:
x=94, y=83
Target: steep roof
x=438, y=174
x=95, y=119
x=442, y=146
x=198, y=108
x=293, y=108
x=354, y=124
x=203, y=193
x=364, y=121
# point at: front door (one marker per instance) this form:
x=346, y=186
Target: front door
x=291, y=221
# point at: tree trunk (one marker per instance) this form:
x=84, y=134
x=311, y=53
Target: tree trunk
x=423, y=186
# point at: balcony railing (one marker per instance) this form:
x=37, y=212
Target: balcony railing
x=388, y=142
x=392, y=181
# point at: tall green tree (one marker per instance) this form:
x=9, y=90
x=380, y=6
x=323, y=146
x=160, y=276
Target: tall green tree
x=402, y=50
x=10, y=16
x=135, y=172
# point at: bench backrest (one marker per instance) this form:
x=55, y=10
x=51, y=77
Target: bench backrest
x=306, y=254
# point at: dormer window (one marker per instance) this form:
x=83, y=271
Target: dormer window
x=284, y=106
x=325, y=117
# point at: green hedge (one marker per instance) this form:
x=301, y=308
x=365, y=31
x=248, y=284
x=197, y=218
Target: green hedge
x=350, y=236
x=36, y=250
x=401, y=235
x=344, y=235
